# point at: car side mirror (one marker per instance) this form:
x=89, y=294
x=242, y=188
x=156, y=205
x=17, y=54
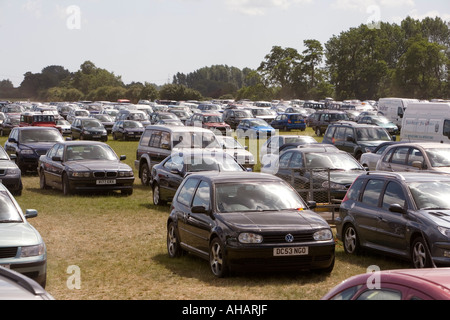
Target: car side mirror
x=31, y=213
x=397, y=208
x=56, y=158
x=123, y=157
x=394, y=138
x=312, y=204
x=13, y=140
x=417, y=164
x=200, y=209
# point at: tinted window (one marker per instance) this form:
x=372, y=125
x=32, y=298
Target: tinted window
x=415, y=155
x=284, y=159
x=354, y=192
x=296, y=161
x=399, y=156
x=186, y=192
x=202, y=196
x=393, y=195
x=380, y=294
x=146, y=138
x=372, y=192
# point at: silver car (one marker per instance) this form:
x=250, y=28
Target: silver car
x=22, y=248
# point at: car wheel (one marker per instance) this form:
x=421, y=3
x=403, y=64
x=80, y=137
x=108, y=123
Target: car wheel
x=157, y=201
x=114, y=136
x=351, y=240
x=419, y=254
x=145, y=174
x=217, y=259
x=42, y=183
x=67, y=190
x=173, y=241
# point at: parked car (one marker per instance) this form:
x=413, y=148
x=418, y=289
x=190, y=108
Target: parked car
x=106, y=120
x=73, y=166
x=63, y=126
x=264, y=113
x=27, y=144
x=401, y=284
x=167, y=175
x=247, y=221
x=381, y=121
x=416, y=157
x=10, y=175
x=401, y=214
x=182, y=114
x=289, y=121
x=22, y=248
x=127, y=130
x=211, y=121
x=158, y=142
x=274, y=143
x=329, y=171
x=11, y=121
x=88, y=129
x=369, y=159
x=238, y=151
x=75, y=113
x=233, y=116
x=321, y=119
x=356, y=138
x=158, y=116
x=15, y=286
x=169, y=122
x=254, y=128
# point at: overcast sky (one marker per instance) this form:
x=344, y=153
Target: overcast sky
x=151, y=40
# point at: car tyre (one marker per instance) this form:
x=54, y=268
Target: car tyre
x=217, y=258
x=145, y=174
x=42, y=182
x=351, y=240
x=67, y=190
x=173, y=241
x=419, y=254
x=157, y=201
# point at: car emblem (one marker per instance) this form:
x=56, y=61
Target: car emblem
x=289, y=238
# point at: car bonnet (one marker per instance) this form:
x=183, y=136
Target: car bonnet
x=18, y=234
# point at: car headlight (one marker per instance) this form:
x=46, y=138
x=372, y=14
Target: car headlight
x=32, y=251
x=324, y=234
x=369, y=149
x=444, y=231
x=250, y=238
x=125, y=173
x=26, y=151
x=86, y=132
x=80, y=174
x=13, y=171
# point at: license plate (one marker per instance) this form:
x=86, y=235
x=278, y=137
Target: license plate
x=290, y=251
x=7, y=266
x=96, y=136
x=106, y=182
x=297, y=122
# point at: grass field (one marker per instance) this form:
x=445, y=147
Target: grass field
x=119, y=245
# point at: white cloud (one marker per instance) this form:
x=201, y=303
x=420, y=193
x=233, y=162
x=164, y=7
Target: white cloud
x=362, y=5
x=260, y=7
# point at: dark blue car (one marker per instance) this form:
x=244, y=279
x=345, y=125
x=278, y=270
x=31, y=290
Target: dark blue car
x=27, y=144
x=289, y=121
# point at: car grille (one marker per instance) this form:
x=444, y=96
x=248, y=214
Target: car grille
x=105, y=174
x=9, y=252
x=281, y=238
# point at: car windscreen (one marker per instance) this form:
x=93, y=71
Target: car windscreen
x=211, y=162
x=89, y=152
x=431, y=195
x=439, y=157
x=372, y=134
x=261, y=196
x=92, y=124
x=29, y=136
x=8, y=211
x=3, y=154
x=132, y=124
x=332, y=161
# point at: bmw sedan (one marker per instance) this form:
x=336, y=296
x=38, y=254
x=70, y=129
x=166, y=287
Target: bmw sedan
x=22, y=248
x=73, y=166
x=247, y=221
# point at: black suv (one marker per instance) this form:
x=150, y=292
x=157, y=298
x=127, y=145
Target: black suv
x=402, y=214
x=321, y=119
x=27, y=144
x=233, y=116
x=356, y=138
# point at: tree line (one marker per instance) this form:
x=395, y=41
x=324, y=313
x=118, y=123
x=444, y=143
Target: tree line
x=410, y=59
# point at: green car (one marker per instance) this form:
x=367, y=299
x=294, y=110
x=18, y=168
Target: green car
x=22, y=248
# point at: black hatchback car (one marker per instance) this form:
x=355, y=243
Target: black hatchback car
x=406, y=215
x=88, y=129
x=247, y=221
x=27, y=144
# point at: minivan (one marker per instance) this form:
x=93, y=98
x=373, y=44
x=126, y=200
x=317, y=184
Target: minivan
x=158, y=142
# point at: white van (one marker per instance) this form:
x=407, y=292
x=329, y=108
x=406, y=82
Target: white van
x=426, y=122
x=394, y=108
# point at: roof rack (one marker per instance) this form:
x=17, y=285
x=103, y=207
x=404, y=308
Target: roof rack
x=386, y=173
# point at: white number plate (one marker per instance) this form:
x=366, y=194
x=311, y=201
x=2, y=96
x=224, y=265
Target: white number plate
x=290, y=251
x=106, y=182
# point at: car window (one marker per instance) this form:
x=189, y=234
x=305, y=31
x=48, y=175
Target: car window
x=415, y=155
x=347, y=294
x=8, y=212
x=202, y=196
x=393, y=195
x=399, y=155
x=380, y=294
x=284, y=159
x=355, y=190
x=296, y=160
x=372, y=192
x=186, y=192
x=52, y=151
